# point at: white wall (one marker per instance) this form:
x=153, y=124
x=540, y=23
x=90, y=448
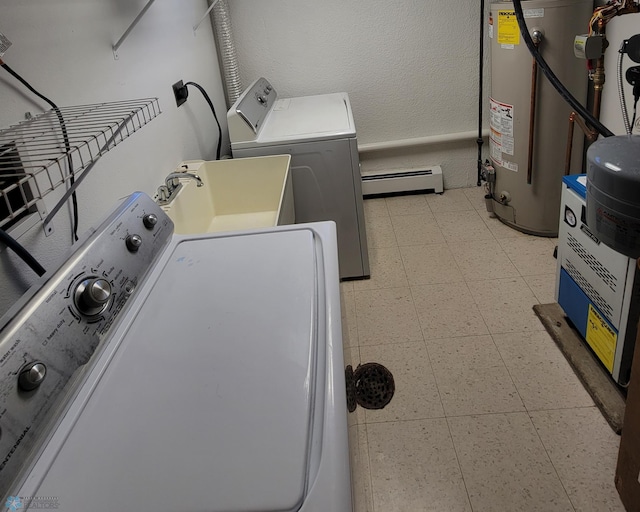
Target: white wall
x=63, y=48
x=410, y=68
x=618, y=29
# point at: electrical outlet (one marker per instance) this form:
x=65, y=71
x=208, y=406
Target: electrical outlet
x=180, y=92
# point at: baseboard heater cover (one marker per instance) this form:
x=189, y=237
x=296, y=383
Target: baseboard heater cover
x=388, y=182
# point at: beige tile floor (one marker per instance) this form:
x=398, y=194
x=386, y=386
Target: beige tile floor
x=487, y=415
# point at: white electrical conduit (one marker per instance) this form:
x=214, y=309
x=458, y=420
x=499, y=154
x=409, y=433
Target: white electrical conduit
x=429, y=140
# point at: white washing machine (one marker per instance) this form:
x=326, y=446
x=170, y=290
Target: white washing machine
x=178, y=373
x=320, y=135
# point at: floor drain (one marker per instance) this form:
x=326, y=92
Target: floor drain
x=351, y=389
x=371, y=386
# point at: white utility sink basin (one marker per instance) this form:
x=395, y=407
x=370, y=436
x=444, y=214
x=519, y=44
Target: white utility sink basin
x=237, y=194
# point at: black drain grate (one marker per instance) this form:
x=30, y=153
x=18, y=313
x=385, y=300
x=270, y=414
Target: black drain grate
x=351, y=389
x=371, y=386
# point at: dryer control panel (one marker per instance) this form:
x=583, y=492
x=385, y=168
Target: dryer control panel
x=247, y=114
x=51, y=336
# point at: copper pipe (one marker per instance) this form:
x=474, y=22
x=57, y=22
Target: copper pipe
x=583, y=126
x=591, y=135
x=599, y=75
x=598, y=85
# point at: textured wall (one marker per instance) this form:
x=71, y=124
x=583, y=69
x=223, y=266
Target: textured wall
x=410, y=67
x=63, y=47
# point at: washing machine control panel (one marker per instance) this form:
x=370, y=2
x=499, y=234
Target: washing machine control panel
x=247, y=114
x=47, y=341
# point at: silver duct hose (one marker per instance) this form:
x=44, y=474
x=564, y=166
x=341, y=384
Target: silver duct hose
x=221, y=22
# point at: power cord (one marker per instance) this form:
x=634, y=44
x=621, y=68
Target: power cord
x=65, y=136
x=213, y=110
x=20, y=251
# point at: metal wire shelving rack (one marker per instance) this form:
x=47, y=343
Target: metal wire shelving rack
x=59, y=146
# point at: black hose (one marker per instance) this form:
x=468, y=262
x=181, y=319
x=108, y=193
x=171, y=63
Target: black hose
x=213, y=110
x=553, y=79
x=20, y=251
x=65, y=136
x=480, y=141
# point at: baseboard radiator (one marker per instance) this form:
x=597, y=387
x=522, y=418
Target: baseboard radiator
x=397, y=181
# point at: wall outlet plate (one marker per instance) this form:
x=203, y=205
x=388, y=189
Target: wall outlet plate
x=180, y=92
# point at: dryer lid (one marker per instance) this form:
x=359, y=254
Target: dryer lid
x=207, y=404
x=308, y=118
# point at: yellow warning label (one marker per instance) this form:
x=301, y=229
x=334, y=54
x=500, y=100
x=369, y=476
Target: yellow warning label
x=508, y=29
x=601, y=337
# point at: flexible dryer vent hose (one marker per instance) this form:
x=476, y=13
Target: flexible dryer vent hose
x=221, y=21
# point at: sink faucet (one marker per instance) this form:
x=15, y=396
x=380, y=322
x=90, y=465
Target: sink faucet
x=172, y=181
x=168, y=191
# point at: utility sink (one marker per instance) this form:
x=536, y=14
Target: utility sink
x=236, y=194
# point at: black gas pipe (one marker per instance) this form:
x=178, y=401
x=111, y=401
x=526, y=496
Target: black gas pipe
x=480, y=98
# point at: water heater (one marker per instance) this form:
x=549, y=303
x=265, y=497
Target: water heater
x=529, y=121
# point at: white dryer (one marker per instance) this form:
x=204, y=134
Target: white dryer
x=320, y=135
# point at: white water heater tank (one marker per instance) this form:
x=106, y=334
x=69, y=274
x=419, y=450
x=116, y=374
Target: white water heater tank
x=527, y=189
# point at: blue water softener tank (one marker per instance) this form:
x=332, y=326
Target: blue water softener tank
x=613, y=192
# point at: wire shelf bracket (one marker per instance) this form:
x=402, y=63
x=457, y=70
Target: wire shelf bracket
x=197, y=25
x=60, y=147
x=116, y=46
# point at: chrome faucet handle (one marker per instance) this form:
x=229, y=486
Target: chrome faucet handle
x=163, y=193
x=172, y=185
x=173, y=179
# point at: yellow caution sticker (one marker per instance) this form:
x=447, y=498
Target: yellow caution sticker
x=508, y=29
x=601, y=338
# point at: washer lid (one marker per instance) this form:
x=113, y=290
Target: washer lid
x=307, y=119
x=207, y=402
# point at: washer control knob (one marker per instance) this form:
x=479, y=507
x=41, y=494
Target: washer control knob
x=31, y=376
x=133, y=242
x=262, y=99
x=92, y=295
x=150, y=220
x=268, y=89
x=129, y=288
